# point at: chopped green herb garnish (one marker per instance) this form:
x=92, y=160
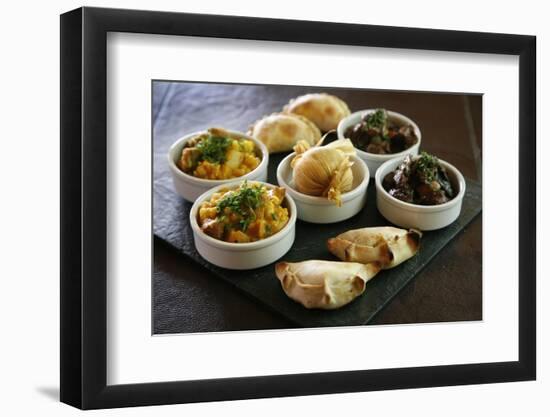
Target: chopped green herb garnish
x=244, y=223
x=427, y=165
x=377, y=120
x=243, y=202
x=213, y=148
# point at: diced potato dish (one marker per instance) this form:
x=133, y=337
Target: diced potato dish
x=249, y=213
x=218, y=155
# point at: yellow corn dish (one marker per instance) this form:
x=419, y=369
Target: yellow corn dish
x=218, y=155
x=248, y=213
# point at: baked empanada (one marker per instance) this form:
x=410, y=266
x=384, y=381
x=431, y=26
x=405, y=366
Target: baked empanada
x=324, y=284
x=389, y=246
x=324, y=110
x=280, y=132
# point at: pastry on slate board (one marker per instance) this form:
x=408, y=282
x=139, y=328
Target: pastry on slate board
x=388, y=245
x=324, y=284
x=280, y=132
x=325, y=110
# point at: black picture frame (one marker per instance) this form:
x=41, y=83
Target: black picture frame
x=83, y=207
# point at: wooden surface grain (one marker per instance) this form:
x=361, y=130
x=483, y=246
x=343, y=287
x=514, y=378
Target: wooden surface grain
x=187, y=298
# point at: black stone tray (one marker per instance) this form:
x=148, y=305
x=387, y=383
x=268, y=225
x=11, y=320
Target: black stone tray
x=171, y=213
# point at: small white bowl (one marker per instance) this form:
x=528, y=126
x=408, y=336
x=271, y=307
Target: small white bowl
x=315, y=209
x=243, y=255
x=190, y=187
x=374, y=160
x=416, y=216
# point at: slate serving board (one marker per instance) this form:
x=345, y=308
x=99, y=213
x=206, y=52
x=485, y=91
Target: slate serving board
x=171, y=224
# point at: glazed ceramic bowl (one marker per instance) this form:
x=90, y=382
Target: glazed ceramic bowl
x=190, y=187
x=415, y=216
x=373, y=160
x=243, y=255
x=315, y=209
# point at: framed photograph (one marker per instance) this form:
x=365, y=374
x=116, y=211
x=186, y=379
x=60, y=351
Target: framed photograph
x=258, y=208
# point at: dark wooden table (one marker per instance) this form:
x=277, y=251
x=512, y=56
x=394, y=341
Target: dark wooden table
x=187, y=298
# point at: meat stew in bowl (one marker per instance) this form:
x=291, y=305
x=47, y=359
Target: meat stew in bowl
x=420, y=180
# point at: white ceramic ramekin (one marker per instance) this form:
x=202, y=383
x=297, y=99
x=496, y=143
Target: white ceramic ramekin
x=315, y=209
x=415, y=216
x=374, y=160
x=190, y=187
x=243, y=255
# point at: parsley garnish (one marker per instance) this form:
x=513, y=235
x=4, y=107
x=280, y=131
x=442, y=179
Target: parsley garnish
x=376, y=120
x=213, y=148
x=427, y=165
x=243, y=202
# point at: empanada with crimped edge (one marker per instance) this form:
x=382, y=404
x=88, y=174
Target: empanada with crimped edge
x=325, y=110
x=280, y=132
x=324, y=284
x=388, y=245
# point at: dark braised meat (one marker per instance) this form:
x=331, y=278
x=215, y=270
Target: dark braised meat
x=420, y=181
x=376, y=134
